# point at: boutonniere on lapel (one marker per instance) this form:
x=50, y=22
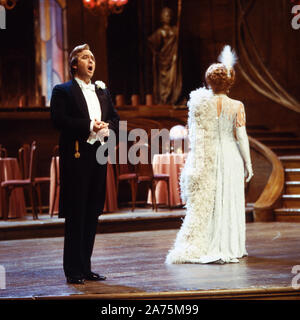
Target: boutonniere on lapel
x=100, y=84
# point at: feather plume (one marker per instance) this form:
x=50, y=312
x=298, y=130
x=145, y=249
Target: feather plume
x=228, y=57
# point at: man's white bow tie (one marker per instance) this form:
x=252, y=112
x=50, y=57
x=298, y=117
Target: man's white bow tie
x=88, y=86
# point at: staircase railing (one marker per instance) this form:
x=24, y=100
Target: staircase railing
x=271, y=195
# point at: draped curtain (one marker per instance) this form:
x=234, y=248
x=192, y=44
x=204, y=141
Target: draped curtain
x=52, y=45
x=257, y=63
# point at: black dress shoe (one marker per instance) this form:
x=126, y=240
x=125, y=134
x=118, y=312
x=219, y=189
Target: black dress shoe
x=75, y=280
x=94, y=276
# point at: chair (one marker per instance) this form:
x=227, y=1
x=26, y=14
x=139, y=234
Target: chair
x=28, y=182
x=145, y=174
x=24, y=157
x=37, y=182
x=3, y=152
x=125, y=172
x=56, y=179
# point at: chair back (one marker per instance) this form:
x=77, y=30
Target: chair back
x=24, y=158
x=2, y=178
x=3, y=152
x=55, y=154
x=32, y=162
x=144, y=167
x=122, y=156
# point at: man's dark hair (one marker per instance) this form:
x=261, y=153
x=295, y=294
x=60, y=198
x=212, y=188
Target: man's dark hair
x=74, y=57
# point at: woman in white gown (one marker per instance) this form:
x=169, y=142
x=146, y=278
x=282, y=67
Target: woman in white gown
x=212, y=180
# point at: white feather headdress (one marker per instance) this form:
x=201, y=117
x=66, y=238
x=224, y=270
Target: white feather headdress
x=228, y=58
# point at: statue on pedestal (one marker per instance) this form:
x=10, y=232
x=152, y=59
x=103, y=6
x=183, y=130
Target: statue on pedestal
x=167, y=76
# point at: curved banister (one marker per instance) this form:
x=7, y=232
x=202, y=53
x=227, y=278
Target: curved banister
x=264, y=205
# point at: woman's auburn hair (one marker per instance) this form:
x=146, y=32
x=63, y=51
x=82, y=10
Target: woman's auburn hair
x=218, y=79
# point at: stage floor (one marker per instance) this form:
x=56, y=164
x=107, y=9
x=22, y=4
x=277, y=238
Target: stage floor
x=134, y=265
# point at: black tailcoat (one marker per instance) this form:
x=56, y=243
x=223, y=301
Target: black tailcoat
x=82, y=179
x=69, y=113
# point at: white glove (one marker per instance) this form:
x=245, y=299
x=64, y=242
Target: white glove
x=243, y=141
x=99, y=136
x=249, y=172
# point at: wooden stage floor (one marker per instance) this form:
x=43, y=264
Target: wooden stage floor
x=134, y=265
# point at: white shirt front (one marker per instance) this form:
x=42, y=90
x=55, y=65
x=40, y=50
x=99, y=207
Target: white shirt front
x=93, y=105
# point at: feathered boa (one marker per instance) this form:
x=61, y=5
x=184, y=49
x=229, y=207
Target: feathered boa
x=198, y=179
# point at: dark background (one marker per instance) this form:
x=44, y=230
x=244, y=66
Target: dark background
x=124, y=59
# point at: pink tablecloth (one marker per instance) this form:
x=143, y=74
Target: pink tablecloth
x=9, y=170
x=111, y=203
x=170, y=163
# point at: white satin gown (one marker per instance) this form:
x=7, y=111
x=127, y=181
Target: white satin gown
x=214, y=229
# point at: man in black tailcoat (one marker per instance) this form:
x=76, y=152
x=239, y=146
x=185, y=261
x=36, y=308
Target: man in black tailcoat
x=84, y=114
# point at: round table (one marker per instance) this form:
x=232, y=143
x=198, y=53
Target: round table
x=171, y=164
